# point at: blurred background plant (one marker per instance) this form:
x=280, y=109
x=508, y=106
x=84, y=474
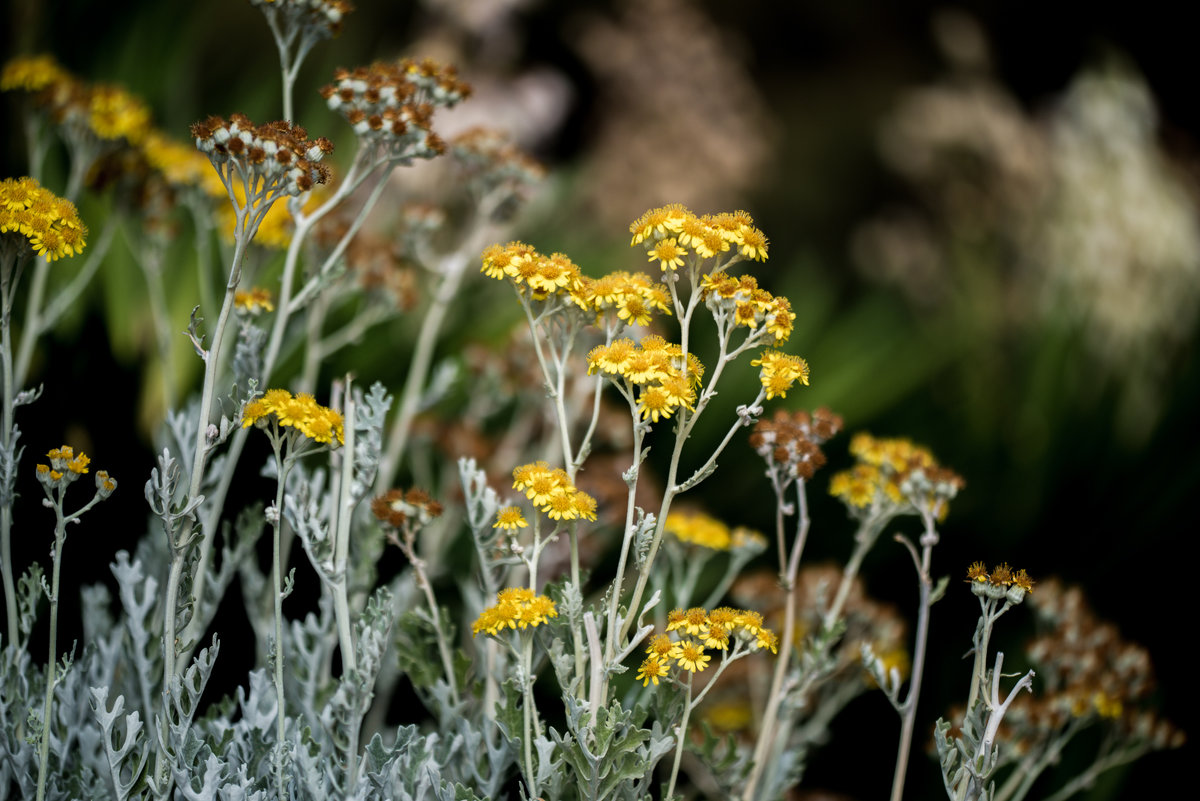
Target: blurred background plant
x=985, y=217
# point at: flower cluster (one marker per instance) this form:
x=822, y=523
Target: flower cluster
x=50, y=223
x=66, y=466
x=322, y=17
x=114, y=113
x=180, y=165
x=108, y=113
x=697, y=528
x=748, y=304
x=779, y=372
x=634, y=297
x=31, y=73
x=279, y=154
x=1001, y=582
x=254, y=300
x=672, y=234
x=525, y=268
x=393, y=103
x=490, y=159
x=699, y=631
x=397, y=507
x=516, y=608
x=300, y=412
x=551, y=492
x=665, y=380
x=897, y=476
x=791, y=443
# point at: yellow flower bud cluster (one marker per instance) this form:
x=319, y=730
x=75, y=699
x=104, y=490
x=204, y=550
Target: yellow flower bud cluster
x=49, y=223
x=66, y=466
x=516, y=608
x=300, y=412
x=551, y=491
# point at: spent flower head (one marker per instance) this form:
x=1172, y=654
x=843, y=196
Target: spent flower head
x=398, y=508
x=267, y=160
x=391, y=104
x=316, y=18
x=791, y=442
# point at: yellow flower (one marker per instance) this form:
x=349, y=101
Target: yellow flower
x=181, y=165
x=700, y=529
x=510, y=518
x=114, y=113
x=780, y=371
x=694, y=620
x=254, y=300
x=752, y=243
x=658, y=222
x=692, y=657
x=668, y=253
x=767, y=639
x=585, y=505
x=653, y=668
x=655, y=403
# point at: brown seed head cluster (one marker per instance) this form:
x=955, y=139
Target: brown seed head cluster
x=320, y=17
x=279, y=153
x=393, y=104
x=490, y=157
x=791, y=443
x=397, y=507
x=1087, y=671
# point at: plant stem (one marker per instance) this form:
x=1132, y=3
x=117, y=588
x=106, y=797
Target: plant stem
x=282, y=467
x=864, y=539
x=687, y=711
x=527, y=708
x=909, y=718
x=768, y=735
x=9, y=272
x=39, y=320
x=60, y=536
x=418, y=370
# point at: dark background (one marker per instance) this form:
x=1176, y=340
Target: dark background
x=1084, y=503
